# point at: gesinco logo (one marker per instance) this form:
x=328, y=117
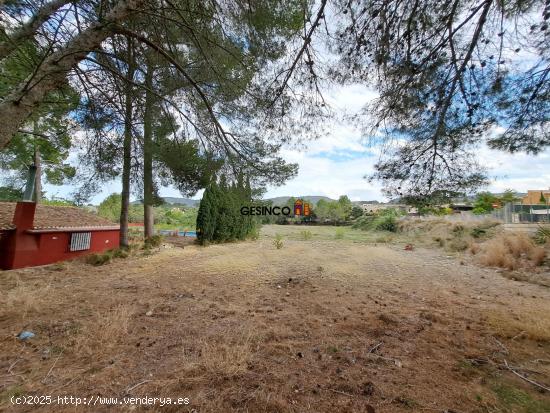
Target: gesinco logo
x=301, y=208
x=265, y=210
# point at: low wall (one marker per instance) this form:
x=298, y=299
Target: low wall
x=526, y=228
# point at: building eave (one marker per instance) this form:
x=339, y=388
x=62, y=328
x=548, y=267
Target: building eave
x=72, y=229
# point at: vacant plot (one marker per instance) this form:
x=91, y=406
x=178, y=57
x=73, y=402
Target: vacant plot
x=321, y=320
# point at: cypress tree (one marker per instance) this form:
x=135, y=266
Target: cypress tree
x=219, y=218
x=206, y=216
x=222, y=227
x=250, y=222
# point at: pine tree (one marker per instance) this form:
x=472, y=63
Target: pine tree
x=44, y=139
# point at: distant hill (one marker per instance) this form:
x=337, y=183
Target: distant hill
x=281, y=200
x=182, y=201
x=176, y=201
x=278, y=200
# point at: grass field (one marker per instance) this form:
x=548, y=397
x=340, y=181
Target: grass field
x=316, y=319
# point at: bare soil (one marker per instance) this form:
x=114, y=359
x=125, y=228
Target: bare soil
x=320, y=325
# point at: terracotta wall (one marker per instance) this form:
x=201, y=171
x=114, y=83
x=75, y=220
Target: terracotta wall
x=27, y=250
x=21, y=248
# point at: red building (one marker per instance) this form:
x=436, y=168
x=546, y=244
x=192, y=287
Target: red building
x=32, y=234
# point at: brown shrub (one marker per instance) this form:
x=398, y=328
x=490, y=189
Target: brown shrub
x=496, y=254
x=458, y=244
x=518, y=244
x=511, y=251
x=537, y=255
x=474, y=248
x=453, y=236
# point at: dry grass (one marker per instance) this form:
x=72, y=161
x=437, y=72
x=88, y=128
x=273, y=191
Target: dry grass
x=105, y=330
x=244, y=327
x=22, y=299
x=454, y=237
x=227, y=360
x=527, y=324
x=511, y=251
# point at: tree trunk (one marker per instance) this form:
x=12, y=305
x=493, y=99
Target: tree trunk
x=52, y=73
x=38, y=177
x=148, y=219
x=127, y=149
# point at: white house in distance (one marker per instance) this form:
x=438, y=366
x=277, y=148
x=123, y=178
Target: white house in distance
x=370, y=208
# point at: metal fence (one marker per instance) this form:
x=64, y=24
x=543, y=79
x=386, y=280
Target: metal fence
x=519, y=213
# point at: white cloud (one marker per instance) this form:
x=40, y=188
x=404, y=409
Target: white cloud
x=324, y=169
x=517, y=171
x=332, y=178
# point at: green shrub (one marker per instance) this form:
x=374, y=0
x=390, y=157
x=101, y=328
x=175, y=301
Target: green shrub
x=120, y=253
x=458, y=229
x=135, y=234
x=100, y=258
x=58, y=266
x=542, y=235
x=392, y=212
x=306, y=235
x=255, y=233
x=364, y=223
x=339, y=233
x=478, y=232
x=152, y=242
x=458, y=244
x=386, y=223
x=133, y=246
x=278, y=241
x=435, y=210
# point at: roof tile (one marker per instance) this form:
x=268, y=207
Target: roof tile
x=48, y=216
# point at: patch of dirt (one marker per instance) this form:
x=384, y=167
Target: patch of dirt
x=317, y=326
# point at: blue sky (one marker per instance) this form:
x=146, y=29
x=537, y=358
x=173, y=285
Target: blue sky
x=336, y=163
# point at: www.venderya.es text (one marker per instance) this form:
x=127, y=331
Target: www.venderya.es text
x=99, y=401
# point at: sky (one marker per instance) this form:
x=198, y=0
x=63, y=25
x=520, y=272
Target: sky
x=336, y=164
